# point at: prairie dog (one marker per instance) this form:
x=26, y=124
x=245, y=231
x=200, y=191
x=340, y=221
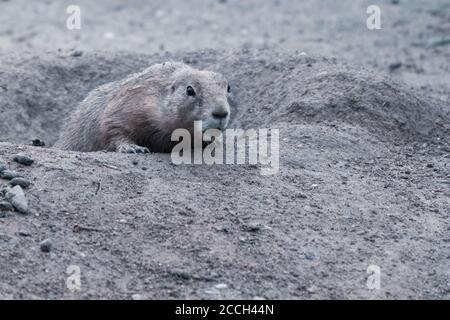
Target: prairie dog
x=139, y=114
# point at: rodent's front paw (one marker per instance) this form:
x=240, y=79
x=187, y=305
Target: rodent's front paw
x=132, y=148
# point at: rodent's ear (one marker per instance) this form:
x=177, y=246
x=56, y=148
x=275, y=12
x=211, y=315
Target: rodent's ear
x=170, y=66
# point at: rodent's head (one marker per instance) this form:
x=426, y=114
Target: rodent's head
x=197, y=95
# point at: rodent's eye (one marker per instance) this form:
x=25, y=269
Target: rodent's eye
x=190, y=91
x=228, y=89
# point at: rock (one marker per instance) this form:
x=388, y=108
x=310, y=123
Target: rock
x=394, y=66
x=16, y=197
x=225, y=229
x=174, y=294
x=221, y=286
x=311, y=289
x=6, y=206
x=24, y=233
x=38, y=143
x=180, y=274
x=24, y=183
x=23, y=159
x=252, y=227
x=137, y=296
x=77, y=53
x=2, y=214
x=212, y=291
x=46, y=245
x=2, y=167
x=9, y=174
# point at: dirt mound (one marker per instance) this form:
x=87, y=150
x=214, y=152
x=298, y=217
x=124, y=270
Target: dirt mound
x=37, y=92
x=345, y=198
x=269, y=88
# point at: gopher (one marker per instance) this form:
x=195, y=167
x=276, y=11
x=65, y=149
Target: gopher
x=139, y=114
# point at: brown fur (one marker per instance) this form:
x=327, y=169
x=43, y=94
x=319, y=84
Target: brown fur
x=140, y=113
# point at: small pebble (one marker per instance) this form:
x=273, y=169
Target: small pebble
x=2, y=214
x=6, y=206
x=311, y=289
x=135, y=162
x=211, y=291
x=38, y=143
x=394, y=66
x=221, y=286
x=9, y=175
x=77, y=53
x=23, y=159
x=16, y=197
x=46, y=245
x=252, y=227
x=181, y=274
x=174, y=294
x=137, y=296
x=24, y=233
x=24, y=183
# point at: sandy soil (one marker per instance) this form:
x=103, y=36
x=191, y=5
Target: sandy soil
x=364, y=161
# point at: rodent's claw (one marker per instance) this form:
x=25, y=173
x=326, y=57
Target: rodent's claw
x=142, y=150
x=132, y=148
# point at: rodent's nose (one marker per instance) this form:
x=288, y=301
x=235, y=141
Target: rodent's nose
x=220, y=114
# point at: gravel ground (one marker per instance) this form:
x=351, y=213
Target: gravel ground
x=364, y=173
